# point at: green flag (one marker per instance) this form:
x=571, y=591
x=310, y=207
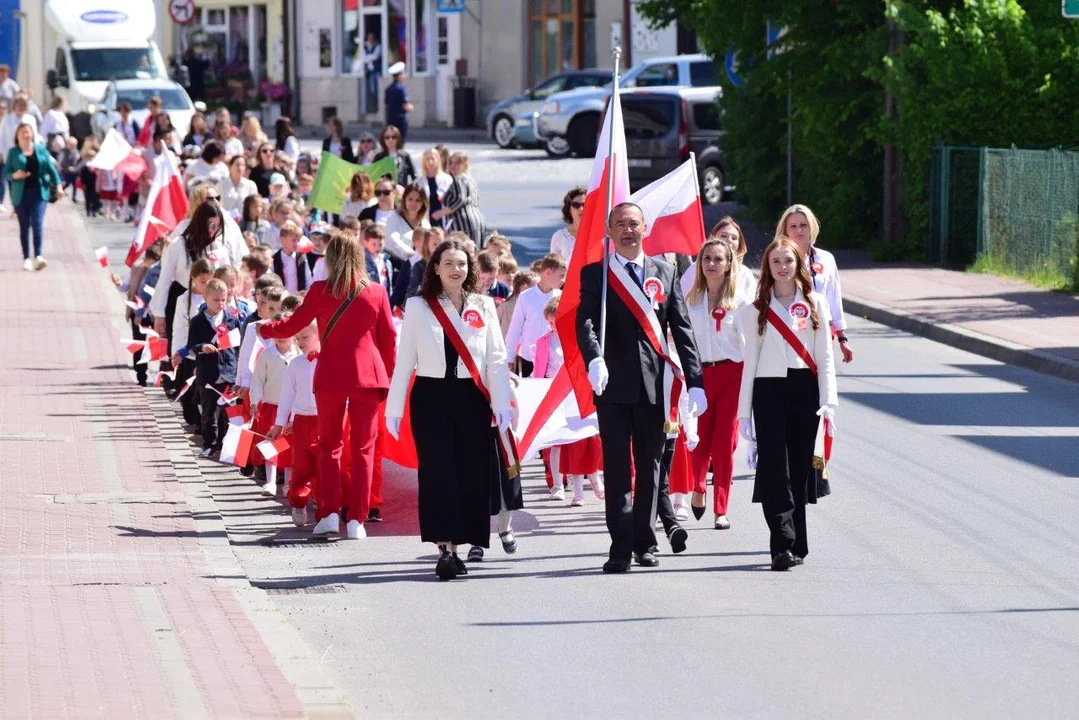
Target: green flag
x=334, y=176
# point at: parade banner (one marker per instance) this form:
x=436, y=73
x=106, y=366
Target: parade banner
x=334, y=176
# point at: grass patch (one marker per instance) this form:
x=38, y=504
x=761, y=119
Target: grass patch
x=1045, y=275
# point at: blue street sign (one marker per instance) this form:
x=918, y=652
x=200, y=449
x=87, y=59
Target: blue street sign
x=730, y=64
x=451, y=6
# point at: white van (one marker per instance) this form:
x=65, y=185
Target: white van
x=98, y=41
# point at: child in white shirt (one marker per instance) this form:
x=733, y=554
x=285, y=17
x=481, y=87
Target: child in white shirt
x=267, y=381
x=187, y=307
x=297, y=417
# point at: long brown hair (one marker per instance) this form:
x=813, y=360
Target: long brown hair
x=728, y=286
x=728, y=222
x=346, y=266
x=432, y=283
x=196, y=235
x=801, y=278
x=361, y=188
x=402, y=208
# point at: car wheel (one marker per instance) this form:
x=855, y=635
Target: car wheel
x=502, y=131
x=583, y=135
x=711, y=185
x=557, y=147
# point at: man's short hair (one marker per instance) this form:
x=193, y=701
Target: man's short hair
x=374, y=231
x=268, y=280
x=486, y=263
x=216, y=285
x=623, y=206
x=258, y=263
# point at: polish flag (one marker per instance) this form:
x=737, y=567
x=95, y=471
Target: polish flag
x=236, y=447
x=183, y=390
x=133, y=346
x=226, y=338
x=272, y=448
x=136, y=304
x=237, y=414
x=146, y=134
x=102, y=255
x=609, y=166
x=304, y=245
x=673, y=212
x=166, y=206
x=157, y=348
x=161, y=375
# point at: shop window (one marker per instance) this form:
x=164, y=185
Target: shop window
x=421, y=35
x=443, y=41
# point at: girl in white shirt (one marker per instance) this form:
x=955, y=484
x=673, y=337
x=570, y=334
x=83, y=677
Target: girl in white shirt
x=788, y=386
x=712, y=301
x=565, y=238
x=271, y=371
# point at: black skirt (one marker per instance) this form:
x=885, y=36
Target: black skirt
x=785, y=417
x=462, y=478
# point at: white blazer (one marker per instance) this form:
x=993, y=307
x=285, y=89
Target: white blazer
x=421, y=349
x=825, y=275
x=771, y=355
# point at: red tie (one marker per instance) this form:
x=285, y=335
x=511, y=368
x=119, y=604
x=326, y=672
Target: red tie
x=312, y=356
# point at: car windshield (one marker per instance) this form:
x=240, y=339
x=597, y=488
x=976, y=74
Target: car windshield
x=648, y=118
x=171, y=98
x=115, y=64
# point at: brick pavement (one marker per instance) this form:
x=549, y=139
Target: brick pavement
x=110, y=602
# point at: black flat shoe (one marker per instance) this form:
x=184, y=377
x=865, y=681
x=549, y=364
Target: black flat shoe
x=783, y=561
x=475, y=554
x=446, y=568
x=374, y=515
x=247, y=470
x=616, y=566
x=461, y=569
x=509, y=543
x=678, y=537
x=646, y=559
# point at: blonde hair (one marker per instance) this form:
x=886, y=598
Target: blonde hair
x=291, y=229
x=462, y=160
x=198, y=197
x=346, y=265
x=436, y=155
x=726, y=297
x=814, y=223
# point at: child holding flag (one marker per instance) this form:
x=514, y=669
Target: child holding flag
x=210, y=342
x=188, y=305
x=271, y=369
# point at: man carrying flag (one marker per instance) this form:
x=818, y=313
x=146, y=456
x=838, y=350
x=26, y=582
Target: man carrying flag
x=637, y=393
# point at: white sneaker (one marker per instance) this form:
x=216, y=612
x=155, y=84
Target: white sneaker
x=558, y=493
x=299, y=517
x=40, y=263
x=355, y=530
x=270, y=488
x=28, y=265
x=577, y=502
x=329, y=525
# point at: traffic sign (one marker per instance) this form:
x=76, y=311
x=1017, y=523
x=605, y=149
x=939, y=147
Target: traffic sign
x=451, y=6
x=730, y=64
x=182, y=12
x=1070, y=8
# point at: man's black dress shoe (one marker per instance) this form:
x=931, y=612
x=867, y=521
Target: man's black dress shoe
x=646, y=559
x=784, y=561
x=616, y=565
x=678, y=538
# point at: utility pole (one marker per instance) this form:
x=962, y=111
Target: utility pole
x=892, y=225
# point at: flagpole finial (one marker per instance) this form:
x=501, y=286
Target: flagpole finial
x=616, y=52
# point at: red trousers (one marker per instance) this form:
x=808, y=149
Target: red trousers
x=362, y=406
x=718, y=433
x=380, y=453
x=304, y=449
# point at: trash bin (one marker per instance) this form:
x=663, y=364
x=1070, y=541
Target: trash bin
x=464, y=102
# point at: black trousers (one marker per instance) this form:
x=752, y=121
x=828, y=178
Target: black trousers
x=525, y=367
x=785, y=419
x=136, y=357
x=190, y=401
x=664, y=508
x=214, y=421
x=631, y=522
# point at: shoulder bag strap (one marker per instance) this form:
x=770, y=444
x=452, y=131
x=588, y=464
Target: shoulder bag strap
x=339, y=312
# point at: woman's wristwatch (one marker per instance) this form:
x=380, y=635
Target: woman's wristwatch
x=841, y=338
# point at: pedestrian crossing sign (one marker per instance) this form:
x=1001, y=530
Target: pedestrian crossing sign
x=1070, y=8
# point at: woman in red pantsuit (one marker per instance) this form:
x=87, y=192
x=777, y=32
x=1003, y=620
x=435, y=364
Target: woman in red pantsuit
x=353, y=373
x=711, y=302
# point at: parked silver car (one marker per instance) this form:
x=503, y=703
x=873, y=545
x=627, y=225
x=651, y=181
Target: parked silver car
x=502, y=117
x=574, y=116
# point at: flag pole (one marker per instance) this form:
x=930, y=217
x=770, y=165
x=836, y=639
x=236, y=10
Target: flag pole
x=616, y=55
x=697, y=184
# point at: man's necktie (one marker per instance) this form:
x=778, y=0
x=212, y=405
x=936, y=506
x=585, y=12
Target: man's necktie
x=634, y=272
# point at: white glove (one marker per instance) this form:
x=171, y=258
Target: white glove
x=691, y=441
x=751, y=456
x=597, y=375
x=698, y=402
x=515, y=415
x=503, y=419
x=828, y=411
x=393, y=426
x=745, y=429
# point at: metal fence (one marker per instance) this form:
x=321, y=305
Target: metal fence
x=1020, y=207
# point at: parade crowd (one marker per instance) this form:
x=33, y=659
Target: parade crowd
x=403, y=318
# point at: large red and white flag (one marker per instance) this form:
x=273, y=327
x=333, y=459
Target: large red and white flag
x=673, y=212
x=166, y=206
x=609, y=170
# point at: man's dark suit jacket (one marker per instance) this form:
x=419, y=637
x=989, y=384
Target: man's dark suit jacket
x=631, y=361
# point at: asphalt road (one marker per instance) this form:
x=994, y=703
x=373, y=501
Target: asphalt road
x=942, y=579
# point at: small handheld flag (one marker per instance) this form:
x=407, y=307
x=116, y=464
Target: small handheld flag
x=102, y=255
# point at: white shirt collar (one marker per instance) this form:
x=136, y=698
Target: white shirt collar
x=639, y=260
x=217, y=319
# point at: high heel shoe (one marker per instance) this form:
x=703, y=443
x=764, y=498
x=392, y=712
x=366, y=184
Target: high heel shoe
x=698, y=510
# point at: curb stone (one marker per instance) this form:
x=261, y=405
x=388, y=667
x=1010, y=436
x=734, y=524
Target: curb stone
x=964, y=339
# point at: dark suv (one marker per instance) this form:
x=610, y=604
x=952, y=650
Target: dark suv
x=664, y=125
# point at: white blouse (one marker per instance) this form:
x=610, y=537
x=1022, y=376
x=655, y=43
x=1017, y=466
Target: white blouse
x=825, y=276
x=233, y=196
x=562, y=243
x=717, y=338
x=176, y=265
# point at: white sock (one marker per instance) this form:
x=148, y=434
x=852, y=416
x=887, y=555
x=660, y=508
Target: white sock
x=578, y=486
x=505, y=520
x=271, y=474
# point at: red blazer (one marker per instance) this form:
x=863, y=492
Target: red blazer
x=361, y=350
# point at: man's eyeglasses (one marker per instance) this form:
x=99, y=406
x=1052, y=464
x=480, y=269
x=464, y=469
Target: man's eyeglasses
x=577, y=205
x=383, y=193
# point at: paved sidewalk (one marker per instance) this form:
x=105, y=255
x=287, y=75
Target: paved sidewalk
x=119, y=596
x=1004, y=319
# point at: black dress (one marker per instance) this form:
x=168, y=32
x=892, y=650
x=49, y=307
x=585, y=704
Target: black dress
x=461, y=475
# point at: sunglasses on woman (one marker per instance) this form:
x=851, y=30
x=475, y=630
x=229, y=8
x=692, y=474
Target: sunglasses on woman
x=383, y=193
x=577, y=205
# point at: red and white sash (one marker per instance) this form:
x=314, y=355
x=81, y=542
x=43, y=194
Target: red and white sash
x=450, y=326
x=822, y=448
x=642, y=307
